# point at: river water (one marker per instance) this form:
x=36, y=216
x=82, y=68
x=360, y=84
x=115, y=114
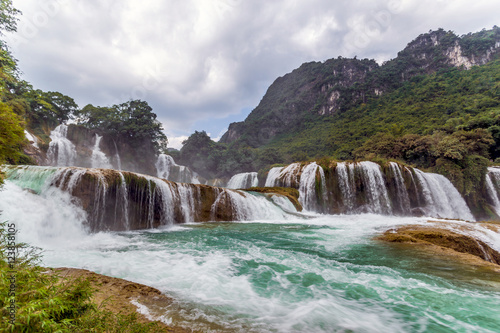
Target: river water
x=319, y=274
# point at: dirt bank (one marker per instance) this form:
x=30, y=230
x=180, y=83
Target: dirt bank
x=116, y=295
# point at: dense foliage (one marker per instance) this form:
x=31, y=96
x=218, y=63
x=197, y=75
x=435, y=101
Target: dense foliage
x=134, y=121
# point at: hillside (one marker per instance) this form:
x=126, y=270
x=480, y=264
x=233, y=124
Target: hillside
x=318, y=107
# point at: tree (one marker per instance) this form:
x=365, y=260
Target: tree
x=134, y=121
x=64, y=107
x=8, y=17
x=11, y=134
x=201, y=154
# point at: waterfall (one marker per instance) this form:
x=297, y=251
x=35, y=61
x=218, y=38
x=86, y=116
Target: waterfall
x=117, y=157
x=118, y=200
x=248, y=206
x=61, y=151
x=163, y=165
x=492, y=184
x=166, y=168
x=289, y=176
x=123, y=203
x=364, y=187
x=376, y=189
x=402, y=193
x=308, y=197
x=441, y=198
x=99, y=159
x=347, y=185
x=31, y=138
x=272, y=176
x=243, y=180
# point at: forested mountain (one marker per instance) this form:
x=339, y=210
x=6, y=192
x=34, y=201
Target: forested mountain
x=438, y=85
x=324, y=91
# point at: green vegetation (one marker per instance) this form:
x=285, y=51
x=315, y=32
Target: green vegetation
x=133, y=121
x=45, y=302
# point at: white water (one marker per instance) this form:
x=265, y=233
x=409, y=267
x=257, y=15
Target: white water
x=31, y=138
x=250, y=206
x=117, y=157
x=243, y=180
x=123, y=202
x=273, y=176
x=403, y=197
x=319, y=275
x=308, y=197
x=442, y=198
x=61, y=151
x=289, y=175
x=98, y=158
x=492, y=183
x=166, y=168
x=345, y=176
x=378, y=198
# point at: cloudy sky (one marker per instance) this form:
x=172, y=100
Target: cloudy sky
x=202, y=64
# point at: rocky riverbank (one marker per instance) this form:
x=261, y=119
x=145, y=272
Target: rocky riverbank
x=448, y=239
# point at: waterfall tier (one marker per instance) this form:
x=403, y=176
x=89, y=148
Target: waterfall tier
x=243, y=180
x=62, y=151
x=366, y=187
x=166, y=168
x=116, y=200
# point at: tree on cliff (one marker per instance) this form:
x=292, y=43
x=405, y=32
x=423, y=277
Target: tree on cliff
x=134, y=121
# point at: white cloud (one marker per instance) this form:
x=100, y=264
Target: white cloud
x=200, y=62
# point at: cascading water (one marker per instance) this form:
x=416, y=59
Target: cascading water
x=441, y=197
x=402, y=193
x=61, y=151
x=492, y=186
x=243, y=180
x=166, y=168
x=248, y=206
x=99, y=159
x=273, y=176
x=117, y=157
x=376, y=190
x=363, y=187
x=345, y=174
x=297, y=275
x=308, y=197
x=31, y=138
x=116, y=200
x=289, y=176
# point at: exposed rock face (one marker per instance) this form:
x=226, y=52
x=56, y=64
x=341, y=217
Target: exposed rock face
x=292, y=96
x=317, y=90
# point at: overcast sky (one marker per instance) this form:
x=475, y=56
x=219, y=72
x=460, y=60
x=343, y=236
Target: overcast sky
x=202, y=64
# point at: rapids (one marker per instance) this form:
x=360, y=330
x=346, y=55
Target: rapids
x=278, y=274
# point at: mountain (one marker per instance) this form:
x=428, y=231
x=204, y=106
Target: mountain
x=319, y=93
